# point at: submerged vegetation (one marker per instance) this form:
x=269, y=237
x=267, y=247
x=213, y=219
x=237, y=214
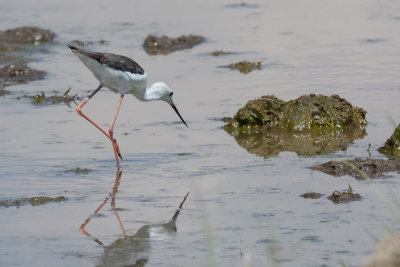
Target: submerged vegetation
x=34, y=201
x=80, y=171
x=41, y=99
x=245, y=66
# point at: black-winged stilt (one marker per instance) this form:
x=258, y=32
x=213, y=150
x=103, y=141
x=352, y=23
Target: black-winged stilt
x=122, y=75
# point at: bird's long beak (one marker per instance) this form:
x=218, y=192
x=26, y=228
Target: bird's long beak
x=177, y=112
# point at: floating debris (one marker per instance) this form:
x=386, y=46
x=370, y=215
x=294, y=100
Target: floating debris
x=245, y=66
x=392, y=145
x=34, y=201
x=312, y=195
x=359, y=168
x=345, y=196
x=164, y=45
x=41, y=99
x=26, y=35
x=312, y=124
x=80, y=171
x=20, y=73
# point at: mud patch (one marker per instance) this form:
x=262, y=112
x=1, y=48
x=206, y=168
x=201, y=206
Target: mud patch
x=164, y=45
x=312, y=195
x=359, y=168
x=34, y=201
x=218, y=53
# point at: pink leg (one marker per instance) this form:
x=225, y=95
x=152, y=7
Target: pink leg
x=111, y=131
x=79, y=110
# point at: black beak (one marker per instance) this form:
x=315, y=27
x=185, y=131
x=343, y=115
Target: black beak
x=177, y=112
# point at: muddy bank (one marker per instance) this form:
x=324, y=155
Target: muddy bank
x=164, y=45
x=34, y=201
x=19, y=73
x=312, y=124
x=392, y=145
x=27, y=35
x=359, y=168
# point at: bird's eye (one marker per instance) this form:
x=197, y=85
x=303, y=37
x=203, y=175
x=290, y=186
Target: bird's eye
x=170, y=94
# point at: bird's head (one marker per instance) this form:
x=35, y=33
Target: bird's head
x=161, y=91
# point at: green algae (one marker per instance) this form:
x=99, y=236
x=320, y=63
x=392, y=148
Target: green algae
x=34, y=201
x=312, y=124
x=392, y=145
x=245, y=66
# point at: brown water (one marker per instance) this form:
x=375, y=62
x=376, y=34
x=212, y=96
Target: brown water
x=241, y=206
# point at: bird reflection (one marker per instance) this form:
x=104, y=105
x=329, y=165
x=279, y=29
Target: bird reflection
x=131, y=250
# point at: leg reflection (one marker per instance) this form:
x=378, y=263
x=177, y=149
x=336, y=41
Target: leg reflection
x=131, y=250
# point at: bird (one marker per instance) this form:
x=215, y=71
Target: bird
x=121, y=75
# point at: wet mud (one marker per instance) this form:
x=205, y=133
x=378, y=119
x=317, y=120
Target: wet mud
x=309, y=125
x=154, y=45
x=338, y=197
x=34, y=201
x=360, y=168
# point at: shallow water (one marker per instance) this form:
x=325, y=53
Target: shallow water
x=241, y=206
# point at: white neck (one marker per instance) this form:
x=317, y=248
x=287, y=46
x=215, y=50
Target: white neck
x=154, y=92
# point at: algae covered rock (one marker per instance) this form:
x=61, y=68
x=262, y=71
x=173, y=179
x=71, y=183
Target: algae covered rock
x=338, y=197
x=311, y=124
x=392, y=145
x=26, y=35
x=19, y=73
